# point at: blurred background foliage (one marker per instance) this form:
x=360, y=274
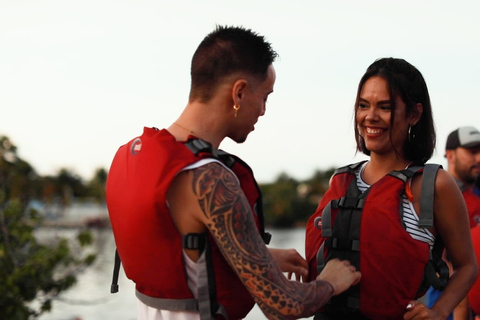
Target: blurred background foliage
x=289, y=203
x=32, y=273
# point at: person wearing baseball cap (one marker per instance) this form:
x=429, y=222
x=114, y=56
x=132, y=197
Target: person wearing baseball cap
x=464, y=137
x=462, y=151
x=463, y=155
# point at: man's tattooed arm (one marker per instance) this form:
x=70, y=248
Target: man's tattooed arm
x=231, y=223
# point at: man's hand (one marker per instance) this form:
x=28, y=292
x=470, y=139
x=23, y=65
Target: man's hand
x=290, y=261
x=340, y=274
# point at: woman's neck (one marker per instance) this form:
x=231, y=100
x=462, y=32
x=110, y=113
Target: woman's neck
x=379, y=166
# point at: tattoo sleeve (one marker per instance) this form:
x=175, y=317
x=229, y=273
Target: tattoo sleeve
x=232, y=225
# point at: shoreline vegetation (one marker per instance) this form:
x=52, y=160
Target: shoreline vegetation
x=63, y=199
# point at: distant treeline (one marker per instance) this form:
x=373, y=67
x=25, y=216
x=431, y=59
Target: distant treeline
x=286, y=201
x=19, y=180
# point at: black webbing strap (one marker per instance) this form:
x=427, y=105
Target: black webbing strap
x=351, y=202
x=321, y=258
x=230, y=160
x=436, y=271
x=343, y=244
x=343, y=241
x=326, y=219
x=326, y=225
x=324, y=222
x=194, y=241
x=199, y=145
x=350, y=168
x=401, y=175
x=116, y=271
x=427, y=195
x=206, y=288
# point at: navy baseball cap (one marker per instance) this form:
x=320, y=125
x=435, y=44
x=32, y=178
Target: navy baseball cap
x=465, y=137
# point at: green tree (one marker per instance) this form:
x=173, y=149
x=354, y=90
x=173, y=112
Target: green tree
x=96, y=186
x=288, y=202
x=32, y=274
x=320, y=181
x=285, y=203
x=30, y=271
x=16, y=175
x=69, y=185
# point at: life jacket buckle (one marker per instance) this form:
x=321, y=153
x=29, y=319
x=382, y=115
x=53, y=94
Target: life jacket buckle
x=194, y=241
x=351, y=203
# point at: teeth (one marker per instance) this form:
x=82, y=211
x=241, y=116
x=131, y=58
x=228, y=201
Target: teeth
x=374, y=131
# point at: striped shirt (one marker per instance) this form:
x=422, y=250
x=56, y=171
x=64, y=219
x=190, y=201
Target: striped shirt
x=410, y=217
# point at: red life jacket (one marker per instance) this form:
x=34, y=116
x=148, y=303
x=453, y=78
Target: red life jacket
x=474, y=293
x=148, y=243
x=473, y=206
x=367, y=229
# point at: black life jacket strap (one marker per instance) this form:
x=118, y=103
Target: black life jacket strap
x=206, y=288
x=343, y=244
x=198, y=145
x=116, y=271
x=436, y=272
x=321, y=258
x=352, y=201
x=344, y=203
x=349, y=168
x=194, y=241
x=326, y=219
x=324, y=222
x=229, y=160
x=427, y=194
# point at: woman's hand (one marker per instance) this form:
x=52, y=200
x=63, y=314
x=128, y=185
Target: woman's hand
x=417, y=310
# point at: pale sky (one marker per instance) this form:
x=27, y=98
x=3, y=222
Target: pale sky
x=80, y=78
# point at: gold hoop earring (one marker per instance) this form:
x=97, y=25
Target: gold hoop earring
x=236, y=108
